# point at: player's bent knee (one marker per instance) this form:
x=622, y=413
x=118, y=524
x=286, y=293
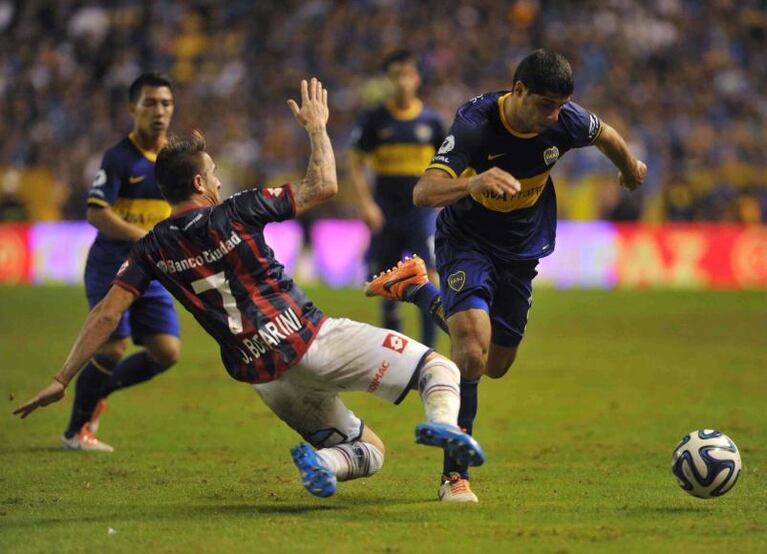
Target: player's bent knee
x=165, y=356
x=440, y=368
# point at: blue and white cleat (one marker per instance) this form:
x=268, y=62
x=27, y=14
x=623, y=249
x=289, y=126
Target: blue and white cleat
x=317, y=479
x=458, y=445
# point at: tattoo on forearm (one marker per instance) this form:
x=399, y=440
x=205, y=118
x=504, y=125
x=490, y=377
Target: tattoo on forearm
x=320, y=172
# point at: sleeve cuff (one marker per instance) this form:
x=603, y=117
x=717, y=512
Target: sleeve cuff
x=98, y=202
x=445, y=168
x=599, y=132
x=291, y=197
x=125, y=286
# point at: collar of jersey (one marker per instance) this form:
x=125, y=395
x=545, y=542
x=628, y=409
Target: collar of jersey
x=506, y=124
x=151, y=156
x=408, y=113
x=186, y=210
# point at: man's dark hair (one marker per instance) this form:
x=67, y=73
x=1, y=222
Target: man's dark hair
x=398, y=56
x=177, y=164
x=148, y=79
x=545, y=72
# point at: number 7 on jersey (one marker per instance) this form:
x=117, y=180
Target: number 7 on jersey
x=219, y=283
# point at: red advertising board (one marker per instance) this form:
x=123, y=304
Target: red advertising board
x=15, y=255
x=691, y=256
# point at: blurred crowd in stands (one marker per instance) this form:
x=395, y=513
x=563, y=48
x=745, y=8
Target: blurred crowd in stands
x=684, y=80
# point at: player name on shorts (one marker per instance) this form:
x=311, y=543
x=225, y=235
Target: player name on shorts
x=206, y=257
x=271, y=334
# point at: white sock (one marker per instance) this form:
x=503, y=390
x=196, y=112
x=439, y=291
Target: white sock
x=352, y=460
x=440, y=388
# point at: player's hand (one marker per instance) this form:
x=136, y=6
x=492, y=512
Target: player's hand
x=50, y=394
x=634, y=178
x=372, y=216
x=495, y=180
x=313, y=113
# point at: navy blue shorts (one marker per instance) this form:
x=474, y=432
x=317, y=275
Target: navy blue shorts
x=400, y=237
x=153, y=313
x=470, y=279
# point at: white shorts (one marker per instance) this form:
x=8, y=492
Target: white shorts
x=345, y=356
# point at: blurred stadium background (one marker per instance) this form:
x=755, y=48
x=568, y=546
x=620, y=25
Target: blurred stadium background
x=683, y=80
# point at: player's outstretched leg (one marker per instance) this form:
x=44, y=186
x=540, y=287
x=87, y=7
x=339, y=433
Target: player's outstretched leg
x=317, y=479
x=408, y=282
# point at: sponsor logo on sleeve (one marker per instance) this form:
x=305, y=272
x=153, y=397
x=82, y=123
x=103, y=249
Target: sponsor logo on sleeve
x=441, y=159
x=123, y=267
x=395, y=342
x=274, y=192
x=447, y=145
x=457, y=280
x=100, y=180
x=593, y=127
x=551, y=155
x=136, y=179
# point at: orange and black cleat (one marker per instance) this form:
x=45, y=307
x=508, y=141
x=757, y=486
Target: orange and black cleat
x=393, y=284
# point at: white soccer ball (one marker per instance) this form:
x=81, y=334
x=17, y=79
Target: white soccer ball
x=706, y=463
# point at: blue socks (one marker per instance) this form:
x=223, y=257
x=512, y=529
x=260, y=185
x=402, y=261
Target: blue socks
x=88, y=391
x=428, y=300
x=391, y=320
x=134, y=369
x=466, y=416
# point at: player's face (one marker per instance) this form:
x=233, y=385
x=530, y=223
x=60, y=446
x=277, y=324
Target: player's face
x=153, y=111
x=212, y=183
x=405, y=79
x=538, y=111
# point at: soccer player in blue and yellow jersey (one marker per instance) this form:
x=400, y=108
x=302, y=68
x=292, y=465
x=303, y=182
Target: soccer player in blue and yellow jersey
x=491, y=174
x=397, y=140
x=213, y=258
x=124, y=203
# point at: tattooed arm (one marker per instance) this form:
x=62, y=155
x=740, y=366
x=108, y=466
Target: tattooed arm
x=320, y=182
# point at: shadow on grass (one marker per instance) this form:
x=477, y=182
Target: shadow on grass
x=200, y=511
x=34, y=450
x=673, y=509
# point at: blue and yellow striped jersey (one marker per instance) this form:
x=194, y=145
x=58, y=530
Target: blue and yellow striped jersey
x=519, y=227
x=399, y=145
x=126, y=184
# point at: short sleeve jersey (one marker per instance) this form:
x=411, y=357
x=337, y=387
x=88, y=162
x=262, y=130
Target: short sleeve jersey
x=400, y=144
x=519, y=227
x=126, y=183
x=216, y=262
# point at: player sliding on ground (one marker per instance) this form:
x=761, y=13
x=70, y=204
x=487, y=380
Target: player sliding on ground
x=491, y=175
x=213, y=258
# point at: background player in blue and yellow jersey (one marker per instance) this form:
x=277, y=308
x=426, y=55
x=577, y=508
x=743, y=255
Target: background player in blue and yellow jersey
x=492, y=176
x=123, y=204
x=397, y=139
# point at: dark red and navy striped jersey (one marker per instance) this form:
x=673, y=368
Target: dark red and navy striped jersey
x=216, y=262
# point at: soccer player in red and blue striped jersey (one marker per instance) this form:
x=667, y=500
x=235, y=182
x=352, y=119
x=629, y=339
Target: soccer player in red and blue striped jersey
x=212, y=257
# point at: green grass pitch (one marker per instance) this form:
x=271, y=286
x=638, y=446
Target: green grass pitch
x=578, y=436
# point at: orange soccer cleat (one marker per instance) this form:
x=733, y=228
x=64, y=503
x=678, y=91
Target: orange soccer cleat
x=395, y=283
